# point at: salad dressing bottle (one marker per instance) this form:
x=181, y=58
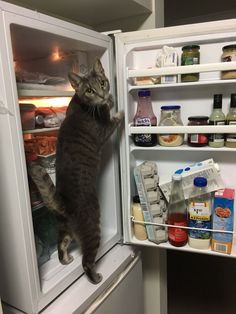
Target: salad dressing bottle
x=217, y=117
x=230, y=139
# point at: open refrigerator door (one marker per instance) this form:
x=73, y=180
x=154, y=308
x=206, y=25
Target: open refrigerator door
x=155, y=60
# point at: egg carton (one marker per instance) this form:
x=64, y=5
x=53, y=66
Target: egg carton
x=151, y=200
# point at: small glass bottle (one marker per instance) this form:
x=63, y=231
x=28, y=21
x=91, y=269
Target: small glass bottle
x=217, y=117
x=199, y=214
x=229, y=54
x=198, y=139
x=145, y=117
x=177, y=213
x=190, y=56
x=230, y=139
x=170, y=116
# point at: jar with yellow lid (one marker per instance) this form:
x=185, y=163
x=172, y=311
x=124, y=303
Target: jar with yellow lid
x=190, y=56
x=229, y=54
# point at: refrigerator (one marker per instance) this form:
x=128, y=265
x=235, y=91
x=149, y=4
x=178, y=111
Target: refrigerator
x=36, y=53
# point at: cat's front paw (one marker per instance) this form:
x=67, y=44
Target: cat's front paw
x=119, y=115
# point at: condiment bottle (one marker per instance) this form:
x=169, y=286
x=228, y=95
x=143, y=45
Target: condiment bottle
x=230, y=139
x=177, y=213
x=217, y=117
x=145, y=117
x=199, y=214
x=190, y=56
x=170, y=116
x=139, y=229
x=229, y=54
x=198, y=140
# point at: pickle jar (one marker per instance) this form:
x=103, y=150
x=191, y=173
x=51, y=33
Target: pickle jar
x=200, y=139
x=190, y=56
x=228, y=55
x=170, y=116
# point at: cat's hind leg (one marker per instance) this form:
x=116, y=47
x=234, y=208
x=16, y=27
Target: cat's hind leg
x=64, y=240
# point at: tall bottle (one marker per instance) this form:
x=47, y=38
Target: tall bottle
x=177, y=213
x=230, y=139
x=217, y=117
x=199, y=210
x=145, y=117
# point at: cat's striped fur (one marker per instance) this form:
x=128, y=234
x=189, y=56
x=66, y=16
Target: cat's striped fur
x=86, y=128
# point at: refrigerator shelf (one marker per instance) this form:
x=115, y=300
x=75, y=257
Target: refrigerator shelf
x=193, y=129
x=183, y=147
x=37, y=90
x=196, y=68
x=44, y=130
x=182, y=85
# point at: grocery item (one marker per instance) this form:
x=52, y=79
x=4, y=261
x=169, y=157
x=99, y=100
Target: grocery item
x=27, y=113
x=223, y=219
x=147, y=80
x=190, y=56
x=228, y=55
x=198, y=140
x=46, y=118
x=170, y=116
x=208, y=169
x=230, y=139
x=177, y=213
x=199, y=215
x=145, y=117
x=151, y=200
x=217, y=117
x=139, y=229
x=166, y=58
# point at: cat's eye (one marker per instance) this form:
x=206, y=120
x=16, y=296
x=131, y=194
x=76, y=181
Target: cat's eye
x=89, y=91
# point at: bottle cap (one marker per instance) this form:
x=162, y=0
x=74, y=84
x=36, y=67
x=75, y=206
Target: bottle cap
x=136, y=199
x=170, y=107
x=176, y=177
x=217, y=103
x=200, y=181
x=233, y=101
x=144, y=93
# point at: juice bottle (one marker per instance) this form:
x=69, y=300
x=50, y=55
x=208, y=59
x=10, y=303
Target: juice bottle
x=145, y=117
x=199, y=211
x=177, y=213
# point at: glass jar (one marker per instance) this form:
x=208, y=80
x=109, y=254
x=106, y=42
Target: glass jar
x=200, y=139
x=229, y=54
x=170, y=116
x=190, y=56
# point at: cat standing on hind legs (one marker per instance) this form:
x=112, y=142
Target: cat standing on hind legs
x=83, y=133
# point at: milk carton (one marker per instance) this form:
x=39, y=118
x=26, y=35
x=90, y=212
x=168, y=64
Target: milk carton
x=223, y=219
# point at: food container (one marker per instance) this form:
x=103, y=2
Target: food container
x=223, y=219
x=200, y=139
x=27, y=113
x=229, y=54
x=170, y=116
x=190, y=56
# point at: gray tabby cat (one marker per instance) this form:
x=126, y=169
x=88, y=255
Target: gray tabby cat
x=83, y=133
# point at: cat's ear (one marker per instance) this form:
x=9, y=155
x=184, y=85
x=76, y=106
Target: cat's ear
x=74, y=79
x=98, y=67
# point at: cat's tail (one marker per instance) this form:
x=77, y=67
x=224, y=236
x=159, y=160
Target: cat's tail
x=46, y=187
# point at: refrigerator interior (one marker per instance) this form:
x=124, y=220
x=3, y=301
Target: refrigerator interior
x=195, y=98
x=41, y=52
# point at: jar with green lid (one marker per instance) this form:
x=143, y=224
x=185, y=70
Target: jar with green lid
x=229, y=54
x=190, y=56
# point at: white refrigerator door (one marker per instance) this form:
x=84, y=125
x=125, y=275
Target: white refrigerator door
x=30, y=39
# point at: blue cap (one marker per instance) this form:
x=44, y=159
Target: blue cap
x=144, y=93
x=200, y=181
x=172, y=107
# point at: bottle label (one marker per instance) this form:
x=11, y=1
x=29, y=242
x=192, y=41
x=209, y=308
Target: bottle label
x=231, y=137
x=143, y=139
x=189, y=60
x=219, y=138
x=199, y=217
x=198, y=138
x=178, y=234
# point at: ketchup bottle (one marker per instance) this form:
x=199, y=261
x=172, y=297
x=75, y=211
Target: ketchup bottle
x=177, y=213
